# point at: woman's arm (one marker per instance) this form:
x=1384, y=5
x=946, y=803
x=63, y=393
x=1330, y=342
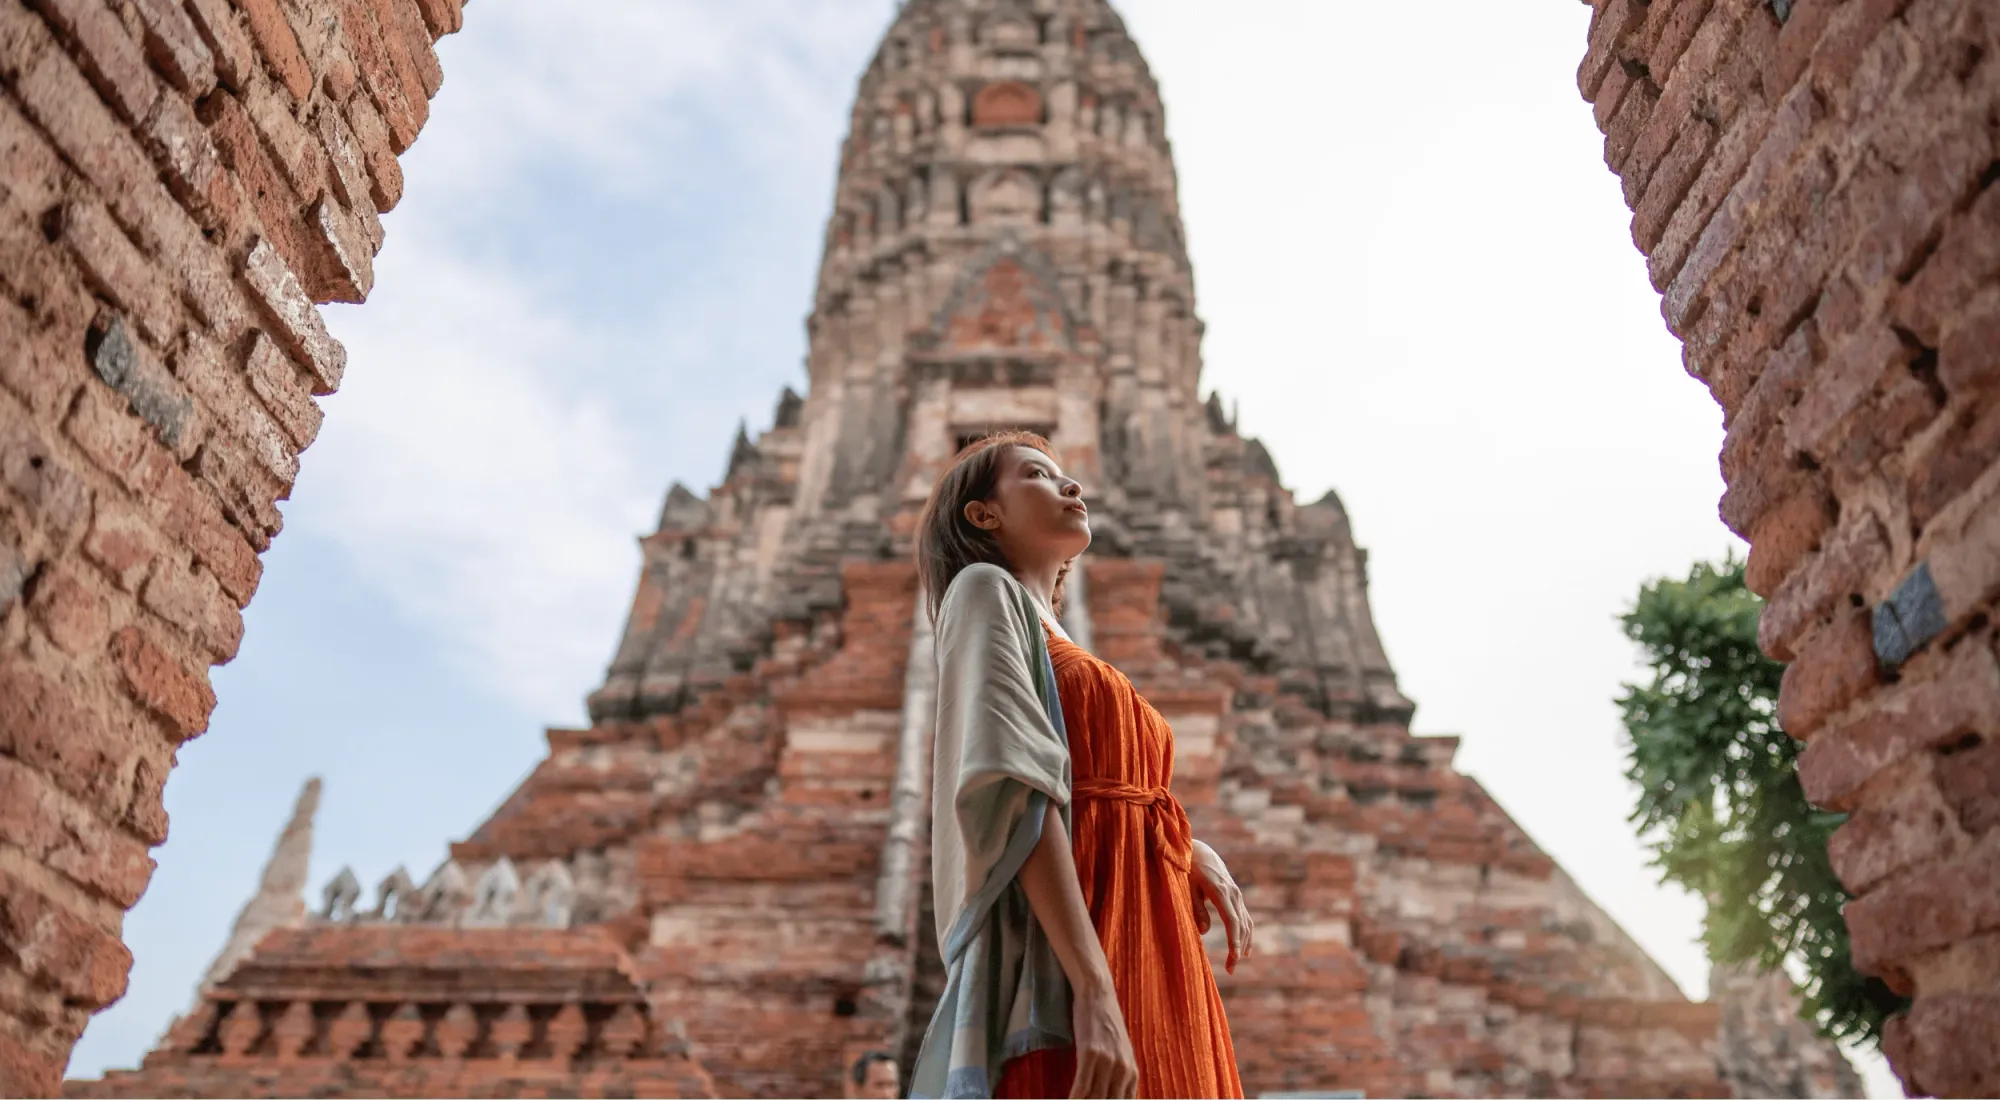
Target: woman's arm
x=1213, y=885
x=1105, y=1064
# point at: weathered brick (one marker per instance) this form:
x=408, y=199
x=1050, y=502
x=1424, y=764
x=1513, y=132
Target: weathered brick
x=59, y=948
x=29, y=368
x=385, y=72
x=1851, y=372
x=278, y=45
x=181, y=145
x=1969, y=779
x=73, y=615
x=1785, y=535
x=57, y=831
x=1948, y=1043
x=107, y=53
x=160, y=400
x=119, y=269
x=235, y=59
x=15, y=569
x=350, y=174
x=1848, y=566
x=285, y=390
x=403, y=24
x=352, y=251
x=1966, y=259
x=176, y=49
x=298, y=322
x=371, y=134
x=59, y=500
x=162, y=683
x=226, y=394
x=247, y=492
x=184, y=511
x=27, y=1070
x=1967, y=361
x=294, y=148
x=1963, y=561
x=122, y=544
x=1941, y=698
x=442, y=17
x=1790, y=124
x=1835, y=665
x=88, y=752
x=194, y=603
x=1926, y=909
x=1905, y=824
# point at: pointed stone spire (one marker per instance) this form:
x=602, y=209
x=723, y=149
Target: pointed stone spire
x=280, y=898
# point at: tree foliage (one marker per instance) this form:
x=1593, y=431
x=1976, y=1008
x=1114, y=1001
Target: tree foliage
x=1719, y=799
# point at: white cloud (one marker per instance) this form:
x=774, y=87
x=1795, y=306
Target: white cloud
x=487, y=462
x=493, y=502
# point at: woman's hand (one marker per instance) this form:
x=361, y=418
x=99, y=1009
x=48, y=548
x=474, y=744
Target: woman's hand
x=1214, y=886
x=1105, y=1064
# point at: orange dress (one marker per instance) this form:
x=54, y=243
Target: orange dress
x=1132, y=848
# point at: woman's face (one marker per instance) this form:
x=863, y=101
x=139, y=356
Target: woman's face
x=1036, y=514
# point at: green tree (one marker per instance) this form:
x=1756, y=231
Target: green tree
x=1719, y=799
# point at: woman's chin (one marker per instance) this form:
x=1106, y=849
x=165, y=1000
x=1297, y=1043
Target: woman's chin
x=1079, y=534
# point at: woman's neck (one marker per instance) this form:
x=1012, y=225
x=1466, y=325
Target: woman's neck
x=1041, y=585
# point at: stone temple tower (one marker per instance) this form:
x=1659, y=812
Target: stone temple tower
x=721, y=884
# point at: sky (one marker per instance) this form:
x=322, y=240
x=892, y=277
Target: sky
x=1420, y=290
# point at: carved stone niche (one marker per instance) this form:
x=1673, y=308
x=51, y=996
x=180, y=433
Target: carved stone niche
x=1005, y=197
x=1010, y=32
x=1006, y=105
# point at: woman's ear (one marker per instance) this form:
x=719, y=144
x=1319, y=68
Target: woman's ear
x=982, y=515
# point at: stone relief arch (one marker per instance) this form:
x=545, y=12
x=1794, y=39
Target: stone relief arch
x=1007, y=103
x=1004, y=196
x=1007, y=300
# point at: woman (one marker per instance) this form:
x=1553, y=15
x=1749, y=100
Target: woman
x=1071, y=897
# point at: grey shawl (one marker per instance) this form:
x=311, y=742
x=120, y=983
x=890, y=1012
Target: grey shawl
x=1000, y=757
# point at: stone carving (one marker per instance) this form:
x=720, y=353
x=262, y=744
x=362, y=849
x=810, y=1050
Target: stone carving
x=1005, y=197
x=1006, y=104
x=394, y=896
x=445, y=897
x=549, y=896
x=340, y=896
x=1005, y=308
x=496, y=895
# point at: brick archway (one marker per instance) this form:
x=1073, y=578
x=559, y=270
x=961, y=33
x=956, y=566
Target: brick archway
x=1812, y=185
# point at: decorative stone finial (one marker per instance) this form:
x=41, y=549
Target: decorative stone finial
x=394, y=895
x=280, y=898
x=494, y=898
x=340, y=896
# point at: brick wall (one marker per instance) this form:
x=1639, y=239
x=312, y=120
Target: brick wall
x=180, y=182
x=1813, y=184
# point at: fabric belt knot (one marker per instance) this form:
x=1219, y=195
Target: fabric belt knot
x=1172, y=835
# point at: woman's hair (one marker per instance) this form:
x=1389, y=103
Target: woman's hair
x=947, y=542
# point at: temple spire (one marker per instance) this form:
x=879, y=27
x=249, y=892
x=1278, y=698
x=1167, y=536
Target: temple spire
x=280, y=898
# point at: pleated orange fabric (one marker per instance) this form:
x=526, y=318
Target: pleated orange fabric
x=1132, y=847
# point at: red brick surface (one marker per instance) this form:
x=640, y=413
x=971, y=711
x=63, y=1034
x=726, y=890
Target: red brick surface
x=416, y=1011
x=1814, y=184
x=168, y=216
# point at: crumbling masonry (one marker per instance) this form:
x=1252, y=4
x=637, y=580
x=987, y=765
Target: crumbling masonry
x=718, y=886
x=1813, y=185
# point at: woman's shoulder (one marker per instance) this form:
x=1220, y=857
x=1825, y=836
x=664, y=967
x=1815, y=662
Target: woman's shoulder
x=980, y=588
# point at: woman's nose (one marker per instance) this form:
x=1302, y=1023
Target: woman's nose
x=1072, y=488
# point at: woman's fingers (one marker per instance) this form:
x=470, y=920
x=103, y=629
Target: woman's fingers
x=1085, y=1084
